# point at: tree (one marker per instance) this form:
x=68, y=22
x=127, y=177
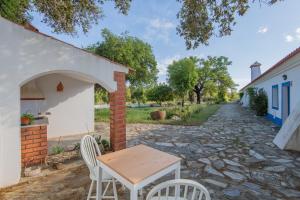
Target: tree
x=131, y=52
x=62, y=16
x=138, y=95
x=213, y=77
x=182, y=77
x=101, y=95
x=200, y=20
x=160, y=93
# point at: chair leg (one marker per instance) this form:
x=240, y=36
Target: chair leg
x=90, y=190
x=115, y=189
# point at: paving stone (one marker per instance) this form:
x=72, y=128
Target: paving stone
x=204, y=160
x=235, y=176
x=279, y=168
x=256, y=155
x=282, y=160
x=232, y=192
x=212, y=171
x=230, y=162
x=216, y=183
x=218, y=164
x=164, y=144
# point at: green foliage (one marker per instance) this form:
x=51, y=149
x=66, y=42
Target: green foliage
x=160, y=93
x=62, y=16
x=241, y=94
x=182, y=76
x=252, y=93
x=101, y=95
x=132, y=52
x=197, y=114
x=261, y=103
x=138, y=95
x=28, y=116
x=200, y=20
x=258, y=101
x=214, y=80
x=106, y=145
x=57, y=149
x=15, y=10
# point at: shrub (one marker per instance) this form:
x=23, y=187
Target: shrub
x=160, y=93
x=261, y=103
x=57, y=149
x=105, y=144
x=258, y=101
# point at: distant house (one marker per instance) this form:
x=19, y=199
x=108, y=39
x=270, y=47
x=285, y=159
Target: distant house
x=54, y=81
x=282, y=84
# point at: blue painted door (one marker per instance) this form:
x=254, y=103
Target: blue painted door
x=285, y=101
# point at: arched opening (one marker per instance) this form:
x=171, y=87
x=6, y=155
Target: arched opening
x=61, y=104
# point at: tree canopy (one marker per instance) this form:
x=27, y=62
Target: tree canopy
x=129, y=51
x=62, y=16
x=160, y=93
x=182, y=76
x=213, y=77
x=198, y=20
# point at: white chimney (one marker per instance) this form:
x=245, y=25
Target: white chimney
x=255, y=70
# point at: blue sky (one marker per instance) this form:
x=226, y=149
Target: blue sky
x=265, y=34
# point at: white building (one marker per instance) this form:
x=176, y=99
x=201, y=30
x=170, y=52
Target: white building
x=282, y=84
x=54, y=81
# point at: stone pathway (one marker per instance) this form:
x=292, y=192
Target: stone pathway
x=232, y=154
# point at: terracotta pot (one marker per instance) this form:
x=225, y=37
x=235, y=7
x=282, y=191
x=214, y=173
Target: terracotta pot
x=158, y=115
x=25, y=121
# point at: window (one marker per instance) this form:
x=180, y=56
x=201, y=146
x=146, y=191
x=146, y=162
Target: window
x=275, y=97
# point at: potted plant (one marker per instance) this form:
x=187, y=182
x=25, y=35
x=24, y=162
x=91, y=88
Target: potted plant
x=27, y=119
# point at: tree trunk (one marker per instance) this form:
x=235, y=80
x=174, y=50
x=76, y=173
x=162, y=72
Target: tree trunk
x=182, y=103
x=198, y=97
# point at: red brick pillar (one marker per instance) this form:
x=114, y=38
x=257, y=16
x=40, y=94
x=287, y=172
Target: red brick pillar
x=117, y=101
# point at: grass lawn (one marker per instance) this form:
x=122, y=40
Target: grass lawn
x=142, y=115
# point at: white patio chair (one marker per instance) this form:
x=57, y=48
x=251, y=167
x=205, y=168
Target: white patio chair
x=89, y=151
x=179, y=189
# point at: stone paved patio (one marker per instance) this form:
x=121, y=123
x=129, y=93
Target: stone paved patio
x=232, y=154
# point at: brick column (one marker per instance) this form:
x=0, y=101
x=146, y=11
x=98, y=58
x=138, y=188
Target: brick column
x=34, y=146
x=117, y=101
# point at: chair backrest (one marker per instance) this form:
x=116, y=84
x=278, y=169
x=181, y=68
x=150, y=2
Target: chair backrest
x=89, y=151
x=179, y=189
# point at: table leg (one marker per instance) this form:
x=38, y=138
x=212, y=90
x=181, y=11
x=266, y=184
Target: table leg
x=177, y=172
x=177, y=176
x=99, y=184
x=133, y=194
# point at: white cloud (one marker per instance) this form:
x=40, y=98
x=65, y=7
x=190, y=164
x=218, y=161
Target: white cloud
x=159, y=29
x=161, y=24
x=293, y=37
x=263, y=29
x=289, y=38
x=164, y=63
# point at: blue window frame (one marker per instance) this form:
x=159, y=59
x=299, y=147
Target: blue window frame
x=275, y=97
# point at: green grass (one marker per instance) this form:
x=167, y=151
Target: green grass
x=142, y=115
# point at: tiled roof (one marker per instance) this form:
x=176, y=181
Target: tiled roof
x=283, y=60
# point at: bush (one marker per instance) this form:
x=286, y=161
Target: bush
x=261, y=103
x=258, y=101
x=160, y=93
x=57, y=149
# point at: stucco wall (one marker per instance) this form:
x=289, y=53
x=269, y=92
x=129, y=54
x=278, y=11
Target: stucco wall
x=292, y=70
x=71, y=110
x=25, y=55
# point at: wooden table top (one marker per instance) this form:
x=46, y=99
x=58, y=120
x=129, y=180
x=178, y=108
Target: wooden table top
x=138, y=163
